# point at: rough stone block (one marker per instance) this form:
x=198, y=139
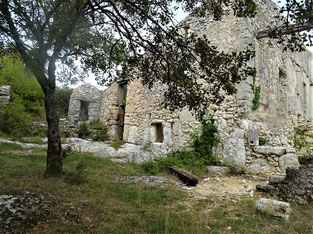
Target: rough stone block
x=263, y=187
x=234, y=152
x=238, y=133
x=288, y=160
x=275, y=179
x=5, y=90
x=268, y=150
x=253, y=136
x=217, y=169
x=260, y=166
x=274, y=208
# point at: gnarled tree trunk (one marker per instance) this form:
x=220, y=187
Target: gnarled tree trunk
x=54, y=157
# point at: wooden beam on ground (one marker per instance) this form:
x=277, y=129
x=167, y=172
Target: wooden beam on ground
x=185, y=176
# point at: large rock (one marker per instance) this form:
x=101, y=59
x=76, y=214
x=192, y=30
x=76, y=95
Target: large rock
x=269, y=150
x=288, y=160
x=234, y=152
x=217, y=169
x=5, y=90
x=260, y=166
x=274, y=208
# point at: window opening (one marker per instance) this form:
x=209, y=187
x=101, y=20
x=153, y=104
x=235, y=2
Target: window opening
x=158, y=131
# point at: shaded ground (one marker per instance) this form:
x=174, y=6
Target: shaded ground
x=96, y=195
x=22, y=211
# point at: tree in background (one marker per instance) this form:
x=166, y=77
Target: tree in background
x=63, y=96
x=294, y=26
x=27, y=98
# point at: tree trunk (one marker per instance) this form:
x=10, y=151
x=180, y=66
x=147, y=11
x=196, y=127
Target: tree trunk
x=54, y=157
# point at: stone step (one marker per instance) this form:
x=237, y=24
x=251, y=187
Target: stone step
x=275, y=179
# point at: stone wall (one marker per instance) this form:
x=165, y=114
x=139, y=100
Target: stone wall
x=295, y=187
x=286, y=83
x=286, y=93
x=4, y=94
x=84, y=104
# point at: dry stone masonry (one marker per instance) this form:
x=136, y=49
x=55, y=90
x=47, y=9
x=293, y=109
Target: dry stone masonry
x=295, y=187
x=84, y=104
x=4, y=94
x=260, y=141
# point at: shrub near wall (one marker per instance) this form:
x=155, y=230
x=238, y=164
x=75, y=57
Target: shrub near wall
x=194, y=157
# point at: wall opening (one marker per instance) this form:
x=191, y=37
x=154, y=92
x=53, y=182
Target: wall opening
x=158, y=132
x=83, y=113
x=121, y=105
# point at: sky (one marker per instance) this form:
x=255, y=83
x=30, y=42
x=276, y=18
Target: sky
x=180, y=15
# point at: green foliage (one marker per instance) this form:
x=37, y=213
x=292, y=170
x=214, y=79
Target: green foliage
x=27, y=99
x=14, y=119
x=102, y=135
x=117, y=143
x=78, y=175
x=256, y=98
x=67, y=151
x=304, y=142
x=202, y=143
x=101, y=131
x=24, y=87
x=63, y=96
x=262, y=141
x=83, y=130
x=9, y=146
x=195, y=157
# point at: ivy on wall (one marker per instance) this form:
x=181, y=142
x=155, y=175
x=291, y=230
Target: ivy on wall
x=256, y=94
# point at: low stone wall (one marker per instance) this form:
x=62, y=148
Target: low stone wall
x=295, y=187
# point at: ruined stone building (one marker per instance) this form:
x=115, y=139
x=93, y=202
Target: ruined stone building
x=134, y=113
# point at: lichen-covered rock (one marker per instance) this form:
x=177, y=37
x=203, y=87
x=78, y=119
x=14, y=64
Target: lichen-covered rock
x=217, y=169
x=260, y=166
x=296, y=186
x=234, y=152
x=274, y=208
x=22, y=211
x=288, y=160
x=5, y=94
x=269, y=150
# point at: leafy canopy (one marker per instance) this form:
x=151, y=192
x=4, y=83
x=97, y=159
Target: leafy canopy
x=112, y=38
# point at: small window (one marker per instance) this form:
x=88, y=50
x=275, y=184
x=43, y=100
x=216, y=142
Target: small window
x=157, y=133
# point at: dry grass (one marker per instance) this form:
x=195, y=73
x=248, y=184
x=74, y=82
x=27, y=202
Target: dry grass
x=103, y=205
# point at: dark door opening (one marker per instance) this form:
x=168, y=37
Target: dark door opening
x=158, y=128
x=83, y=113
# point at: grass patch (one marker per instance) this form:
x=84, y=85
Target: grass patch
x=117, y=143
x=243, y=218
x=104, y=205
x=10, y=146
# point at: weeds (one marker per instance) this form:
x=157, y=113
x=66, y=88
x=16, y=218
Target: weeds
x=195, y=157
x=117, y=143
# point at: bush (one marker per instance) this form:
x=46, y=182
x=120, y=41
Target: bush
x=63, y=96
x=202, y=143
x=193, y=158
x=102, y=135
x=15, y=121
x=79, y=175
x=83, y=130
